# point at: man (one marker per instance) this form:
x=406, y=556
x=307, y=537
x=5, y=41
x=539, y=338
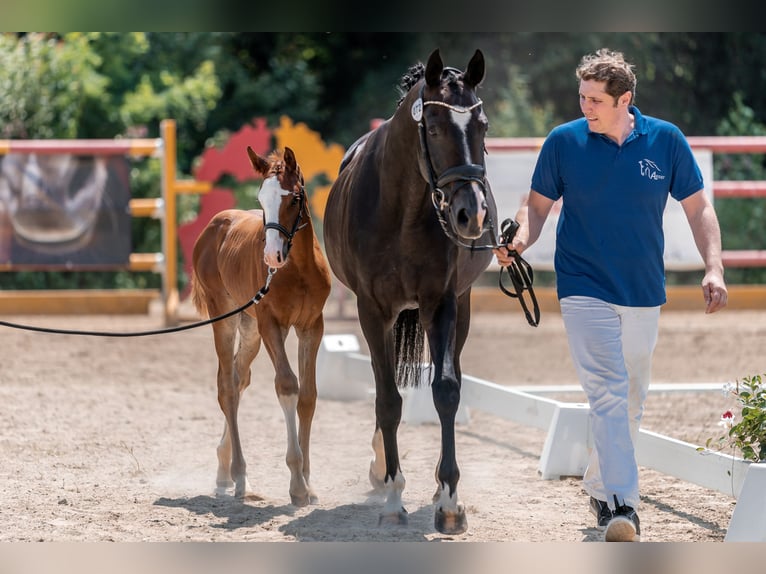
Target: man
x=614, y=169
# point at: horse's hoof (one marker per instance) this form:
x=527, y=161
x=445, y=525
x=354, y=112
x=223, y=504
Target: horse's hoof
x=303, y=500
x=393, y=519
x=221, y=490
x=223, y=486
x=453, y=522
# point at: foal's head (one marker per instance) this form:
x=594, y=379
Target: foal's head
x=453, y=125
x=282, y=197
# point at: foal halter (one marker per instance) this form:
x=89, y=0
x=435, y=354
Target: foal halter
x=290, y=233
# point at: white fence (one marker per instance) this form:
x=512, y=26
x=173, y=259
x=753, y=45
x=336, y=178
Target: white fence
x=345, y=374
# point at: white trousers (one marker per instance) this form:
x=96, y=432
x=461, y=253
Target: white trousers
x=612, y=347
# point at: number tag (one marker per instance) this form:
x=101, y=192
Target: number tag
x=417, y=110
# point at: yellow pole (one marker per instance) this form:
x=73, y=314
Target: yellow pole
x=169, y=232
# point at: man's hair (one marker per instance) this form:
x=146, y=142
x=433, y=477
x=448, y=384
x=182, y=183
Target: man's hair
x=610, y=67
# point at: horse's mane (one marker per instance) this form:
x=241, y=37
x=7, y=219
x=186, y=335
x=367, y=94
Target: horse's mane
x=416, y=73
x=409, y=79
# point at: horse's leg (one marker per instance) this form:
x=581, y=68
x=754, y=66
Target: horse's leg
x=287, y=388
x=388, y=412
x=231, y=464
x=249, y=345
x=310, y=340
x=447, y=329
x=378, y=462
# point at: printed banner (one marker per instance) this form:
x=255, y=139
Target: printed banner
x=64, y=211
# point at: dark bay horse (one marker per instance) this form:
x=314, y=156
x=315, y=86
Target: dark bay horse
x=408, y=227
x=237, y=254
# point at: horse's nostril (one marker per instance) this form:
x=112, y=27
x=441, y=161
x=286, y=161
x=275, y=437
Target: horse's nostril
x=462, y=218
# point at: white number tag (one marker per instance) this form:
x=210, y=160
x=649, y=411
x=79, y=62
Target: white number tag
x=417, y=110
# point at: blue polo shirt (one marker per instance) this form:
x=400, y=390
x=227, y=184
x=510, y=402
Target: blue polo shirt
x=609, y=239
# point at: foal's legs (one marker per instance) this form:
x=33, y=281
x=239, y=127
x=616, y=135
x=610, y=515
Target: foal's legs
x=287, y=388
x=388, y=413
x=233, y=379
x=310, y=340
x=447, y=331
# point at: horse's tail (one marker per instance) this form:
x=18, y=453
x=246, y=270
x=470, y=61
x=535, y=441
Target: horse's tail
x=410, y=349
x=198, y=294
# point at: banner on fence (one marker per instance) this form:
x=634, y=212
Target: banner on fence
x=64, y=211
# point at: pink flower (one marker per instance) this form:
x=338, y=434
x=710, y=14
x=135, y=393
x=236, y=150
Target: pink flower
x=727, y=420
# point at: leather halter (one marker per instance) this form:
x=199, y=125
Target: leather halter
x=461, y=175
x=290, y=233
x=519, y=271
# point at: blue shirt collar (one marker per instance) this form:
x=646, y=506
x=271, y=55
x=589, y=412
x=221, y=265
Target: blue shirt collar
x=639, y=126
x=639, y=121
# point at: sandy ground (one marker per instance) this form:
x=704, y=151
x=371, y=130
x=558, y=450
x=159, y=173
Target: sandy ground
x=113, y=439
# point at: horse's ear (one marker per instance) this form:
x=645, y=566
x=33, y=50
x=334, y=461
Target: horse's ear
x=259, y=164
x=434, y=69
x=474, y=74
x=290, y=159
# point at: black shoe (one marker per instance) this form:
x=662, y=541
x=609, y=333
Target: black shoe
x=624, y=525
x=600, y=509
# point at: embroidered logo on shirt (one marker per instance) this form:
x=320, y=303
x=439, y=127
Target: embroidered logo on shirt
x=649, y=169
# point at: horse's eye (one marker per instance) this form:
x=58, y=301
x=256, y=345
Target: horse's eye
x=432, y=131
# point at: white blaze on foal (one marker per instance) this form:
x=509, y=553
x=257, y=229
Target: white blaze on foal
x=270, y=197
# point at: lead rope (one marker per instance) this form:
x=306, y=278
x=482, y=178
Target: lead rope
x=254, y=301
x=521, y=274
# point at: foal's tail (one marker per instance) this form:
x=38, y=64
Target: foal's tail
x=410, y=349
x=198, y=295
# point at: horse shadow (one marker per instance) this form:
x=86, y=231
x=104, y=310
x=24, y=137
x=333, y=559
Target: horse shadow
x=346, y=522
x=236, y=512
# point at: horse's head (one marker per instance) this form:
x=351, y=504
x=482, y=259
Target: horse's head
x=452, y=127
x=282, y=197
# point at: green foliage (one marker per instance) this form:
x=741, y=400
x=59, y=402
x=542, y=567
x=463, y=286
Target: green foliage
x=46, y=85
x=172, y=96
x=746, y=431
x=516, y=115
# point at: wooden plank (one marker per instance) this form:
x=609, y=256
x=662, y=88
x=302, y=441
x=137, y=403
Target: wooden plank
x=146, y=262
x=147, y=207
x=137, y=147
x=744, y=258
x=78, y=302
x=733, y=188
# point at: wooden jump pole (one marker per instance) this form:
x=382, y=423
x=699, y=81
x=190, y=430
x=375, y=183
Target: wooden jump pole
x=168, y=178
x=171, y=187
